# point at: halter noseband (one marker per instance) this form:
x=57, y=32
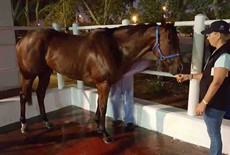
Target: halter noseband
x=157, y=46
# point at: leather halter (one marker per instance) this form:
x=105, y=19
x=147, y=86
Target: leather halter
x=157, y=46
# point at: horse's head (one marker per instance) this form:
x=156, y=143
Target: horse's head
x=135, y=41
x=166, y=47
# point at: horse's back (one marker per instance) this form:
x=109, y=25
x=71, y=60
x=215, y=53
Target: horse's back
x=94, y=57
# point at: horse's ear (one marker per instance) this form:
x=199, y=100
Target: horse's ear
x=163, y=22
x=172, y=21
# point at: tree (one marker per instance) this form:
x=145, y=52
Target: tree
x=16, y=11
x=213, y=9
x=61, y=12
x=150, y=11
x=180, y=10
x=105, y=11
x=27, y=12
x=221, y=9
x=64, y=12
x=20, y=12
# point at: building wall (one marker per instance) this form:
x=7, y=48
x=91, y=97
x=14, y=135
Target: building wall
x=9, y=77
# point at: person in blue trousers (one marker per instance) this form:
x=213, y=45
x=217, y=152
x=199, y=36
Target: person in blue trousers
x=214, y=83
x=121, y=95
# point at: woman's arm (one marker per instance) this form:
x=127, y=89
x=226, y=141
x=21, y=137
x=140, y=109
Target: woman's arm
x=183, y=77
x=218, y=78
x=197, y=76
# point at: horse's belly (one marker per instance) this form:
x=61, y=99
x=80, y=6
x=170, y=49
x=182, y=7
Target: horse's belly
x=72, y=73
x=85, y=67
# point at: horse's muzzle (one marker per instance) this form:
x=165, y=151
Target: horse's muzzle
x=180, y=68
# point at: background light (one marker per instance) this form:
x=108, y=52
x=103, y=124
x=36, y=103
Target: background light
x=134, y=19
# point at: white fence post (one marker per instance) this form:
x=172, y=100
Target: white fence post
x=125, y=22
x=80, y=84
x=60, y=79
x=196, y=64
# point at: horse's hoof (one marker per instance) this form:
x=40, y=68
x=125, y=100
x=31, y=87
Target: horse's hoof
x=108, y=140
x=24, y=128
x=49, y=125
x=29, y=102
x=99, y=131
x=24, y=131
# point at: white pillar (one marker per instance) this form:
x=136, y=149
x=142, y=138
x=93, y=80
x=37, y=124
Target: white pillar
x=80, y=84
x=9, y=73
x=60, y=79
x=196, y=65
x=75, y=29
x=125, y=22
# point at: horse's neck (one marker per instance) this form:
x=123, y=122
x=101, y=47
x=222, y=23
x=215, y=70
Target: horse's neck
x=132, y=47
x=138, y=49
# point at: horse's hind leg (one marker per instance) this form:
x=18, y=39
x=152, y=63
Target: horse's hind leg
x=44, y=79
x=25, y=96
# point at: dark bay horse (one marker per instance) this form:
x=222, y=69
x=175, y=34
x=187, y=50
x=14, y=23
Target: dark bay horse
x=102, y=57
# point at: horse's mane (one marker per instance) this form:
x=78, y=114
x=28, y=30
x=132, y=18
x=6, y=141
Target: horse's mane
x=139, y=28
x=170, y=26
x=131, y=29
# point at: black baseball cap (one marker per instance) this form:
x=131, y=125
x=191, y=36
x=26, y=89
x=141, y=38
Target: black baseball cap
x=217, y=26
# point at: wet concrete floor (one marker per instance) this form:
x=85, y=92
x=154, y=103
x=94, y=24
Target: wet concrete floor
x=74, y=134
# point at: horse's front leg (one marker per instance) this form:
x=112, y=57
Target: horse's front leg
x=43, y=112
x=103, y=93
x=97, y=118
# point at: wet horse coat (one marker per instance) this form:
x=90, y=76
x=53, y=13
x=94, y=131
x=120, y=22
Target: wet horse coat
x=102, y=57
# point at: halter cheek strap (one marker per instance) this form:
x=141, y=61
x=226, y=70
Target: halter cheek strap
x=157, y=46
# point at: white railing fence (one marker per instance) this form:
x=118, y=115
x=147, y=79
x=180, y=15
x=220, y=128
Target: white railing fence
x=197, y=54
x=197, y=51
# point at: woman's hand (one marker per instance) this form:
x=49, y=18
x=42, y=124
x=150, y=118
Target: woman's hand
x=182, y=77
x=200, y=108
